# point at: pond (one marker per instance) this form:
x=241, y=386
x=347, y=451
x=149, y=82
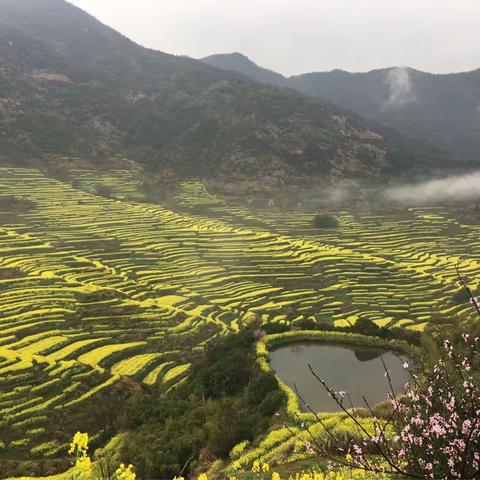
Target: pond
x=353, y=369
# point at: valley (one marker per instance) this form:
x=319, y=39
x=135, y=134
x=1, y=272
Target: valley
x=102, y=296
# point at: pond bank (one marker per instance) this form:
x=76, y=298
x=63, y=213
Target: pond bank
x=270, y=343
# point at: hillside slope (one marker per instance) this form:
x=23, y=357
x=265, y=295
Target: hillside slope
x=442, y=110
x=72, y=86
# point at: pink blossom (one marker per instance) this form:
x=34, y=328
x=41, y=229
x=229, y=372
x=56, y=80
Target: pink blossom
x=438, y=434
x=475, y=302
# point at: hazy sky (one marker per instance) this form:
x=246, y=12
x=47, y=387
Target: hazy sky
x=296, y=36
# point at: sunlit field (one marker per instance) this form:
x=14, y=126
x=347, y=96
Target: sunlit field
x=99, y=294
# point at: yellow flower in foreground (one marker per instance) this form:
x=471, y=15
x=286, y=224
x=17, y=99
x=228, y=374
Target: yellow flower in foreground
x=202, y=476
x=275, y=476
x=342, y=474
x=83, y=466
x=125, y=473
x=79, y=444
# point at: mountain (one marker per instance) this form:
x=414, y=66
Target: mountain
x=71, y=86
x=442, y=110
x=237, y=62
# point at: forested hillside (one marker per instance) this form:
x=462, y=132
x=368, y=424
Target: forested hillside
x=73, y=87
x=442, y=110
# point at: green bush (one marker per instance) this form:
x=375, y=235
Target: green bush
x=275, y=327
x=325, y=220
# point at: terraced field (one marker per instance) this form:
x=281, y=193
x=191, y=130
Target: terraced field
x=95, y=291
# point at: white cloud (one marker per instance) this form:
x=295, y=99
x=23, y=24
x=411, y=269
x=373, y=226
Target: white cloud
x=455, y=188
x=401, y=89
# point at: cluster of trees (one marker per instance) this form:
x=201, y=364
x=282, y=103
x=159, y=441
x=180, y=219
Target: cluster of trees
x=226, y=399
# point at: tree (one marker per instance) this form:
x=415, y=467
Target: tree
x=325, y=220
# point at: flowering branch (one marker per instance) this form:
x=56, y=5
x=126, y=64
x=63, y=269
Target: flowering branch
x=433, y=431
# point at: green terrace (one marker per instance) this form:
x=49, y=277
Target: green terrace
x=97, y=290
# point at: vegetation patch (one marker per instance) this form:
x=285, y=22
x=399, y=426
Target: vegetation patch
x=325, y=220
x=226, y=399
x=94, y=310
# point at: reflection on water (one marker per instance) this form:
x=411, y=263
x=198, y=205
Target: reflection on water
x=356, y=370
x=366, y=354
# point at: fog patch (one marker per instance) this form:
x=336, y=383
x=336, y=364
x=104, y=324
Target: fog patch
x=401, y=89
x=344, y=192
x=458, y=188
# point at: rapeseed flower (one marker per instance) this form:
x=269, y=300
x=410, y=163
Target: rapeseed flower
x=125, y=473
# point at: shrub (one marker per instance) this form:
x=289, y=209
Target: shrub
x=275, y=327
x=305, y=324
x=325, y=220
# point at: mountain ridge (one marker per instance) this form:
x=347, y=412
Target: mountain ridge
x=248, y=67
x=440, y=109
x=75, y=87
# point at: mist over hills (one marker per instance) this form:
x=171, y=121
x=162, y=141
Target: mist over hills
x=442, y=110
x=71, y=86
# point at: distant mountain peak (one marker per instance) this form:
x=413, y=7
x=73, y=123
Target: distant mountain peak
x=226, y=58
x=240, y=63
x=237, y=54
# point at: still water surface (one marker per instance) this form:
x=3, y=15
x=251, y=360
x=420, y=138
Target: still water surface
x=356, y=370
